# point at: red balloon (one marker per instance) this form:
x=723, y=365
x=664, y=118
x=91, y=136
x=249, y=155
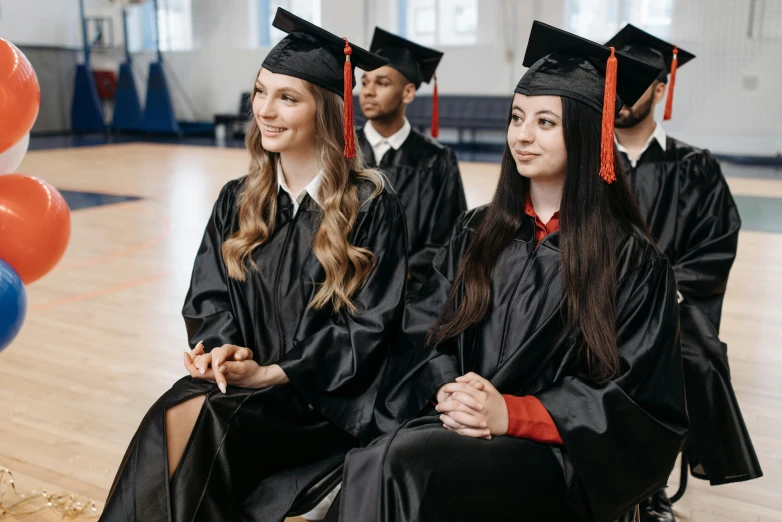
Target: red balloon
x=20, y=95
x=35, y=225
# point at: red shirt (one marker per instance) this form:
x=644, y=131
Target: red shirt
x=541, y=229
x=527, y=417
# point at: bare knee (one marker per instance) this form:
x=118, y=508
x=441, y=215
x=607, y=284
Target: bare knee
x=184, y=412
x=180, y=421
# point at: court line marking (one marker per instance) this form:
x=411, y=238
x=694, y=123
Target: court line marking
x=127, y=251
x=99, y=293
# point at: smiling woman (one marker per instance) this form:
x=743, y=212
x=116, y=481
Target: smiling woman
x=300, y=275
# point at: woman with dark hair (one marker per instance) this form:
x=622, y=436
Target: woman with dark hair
x=298, y=282
x=546, y=339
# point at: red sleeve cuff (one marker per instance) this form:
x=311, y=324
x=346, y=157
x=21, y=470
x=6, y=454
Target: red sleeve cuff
x=529, y=419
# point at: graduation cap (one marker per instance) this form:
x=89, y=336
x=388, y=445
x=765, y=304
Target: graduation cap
x=318, y=56
x=647, y=47
x=416, y=63
x=563, y=64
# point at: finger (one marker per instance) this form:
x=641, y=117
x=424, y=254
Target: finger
x=244, y=354
x=453, y=405
x=473, y=379
x=198, y=350
x=232, y=368
x=192, y=370
x=476, y=403
x=471, y=432
x=467, y=420
x=208, y=375
x=203, y=362
x=224, y=353
x=449, y=422
x=462, y=387
x=220, y=380
x=467, y=400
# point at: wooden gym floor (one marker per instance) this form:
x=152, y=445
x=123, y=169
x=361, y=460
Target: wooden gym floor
x=103, y=336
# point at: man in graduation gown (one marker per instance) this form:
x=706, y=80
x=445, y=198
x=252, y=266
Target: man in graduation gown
x=422, y=171
x=690, y=212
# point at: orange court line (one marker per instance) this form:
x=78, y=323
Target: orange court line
x=101, y=292
x=128, y=251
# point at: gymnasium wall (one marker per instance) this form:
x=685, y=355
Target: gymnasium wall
x=726, y=100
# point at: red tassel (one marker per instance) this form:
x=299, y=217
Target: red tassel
x=607, y=171
x=350, y=144
x=435, y=111
x=671, y=83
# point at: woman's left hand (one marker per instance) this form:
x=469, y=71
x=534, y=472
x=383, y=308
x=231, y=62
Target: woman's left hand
x=234, y=365
x=469, y=406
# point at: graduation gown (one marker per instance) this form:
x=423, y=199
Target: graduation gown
x=426, y=176
x=259, y=454
x=620, y=438
x=690, y=212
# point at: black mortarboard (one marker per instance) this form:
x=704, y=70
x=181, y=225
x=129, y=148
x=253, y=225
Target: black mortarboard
x=563, y=64
x=647, y=47
x=318, y=56
x=416, y=62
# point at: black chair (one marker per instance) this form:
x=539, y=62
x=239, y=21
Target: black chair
x=235, y=123
x=684, y=474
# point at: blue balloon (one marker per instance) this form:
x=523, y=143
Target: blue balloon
x=13, y=304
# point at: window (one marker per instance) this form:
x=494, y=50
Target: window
x=269, y=36
x=174, y=24
x=599, y=20
x=439, y=22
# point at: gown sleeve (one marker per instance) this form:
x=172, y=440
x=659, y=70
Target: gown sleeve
x=709, y=230
x=416, y=370
x=442, y=205
x=338, y=368
x=208, y=313
x=622, y=437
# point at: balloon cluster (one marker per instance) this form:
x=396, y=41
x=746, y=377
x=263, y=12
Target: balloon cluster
x=35, y=222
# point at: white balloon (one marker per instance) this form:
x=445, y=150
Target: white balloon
x=12, y=158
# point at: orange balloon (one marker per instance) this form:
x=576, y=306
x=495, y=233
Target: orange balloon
x=35, y=225
x=20, y=95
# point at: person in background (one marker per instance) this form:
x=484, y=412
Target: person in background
x=422, y=171
x=688, y=207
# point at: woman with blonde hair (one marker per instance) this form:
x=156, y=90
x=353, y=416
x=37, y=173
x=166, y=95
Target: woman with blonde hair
x=296, y=287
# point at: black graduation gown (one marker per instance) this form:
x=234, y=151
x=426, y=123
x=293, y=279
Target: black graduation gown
x=426, y=176
x=691, y=213
x=621, y=438
x=256, y=454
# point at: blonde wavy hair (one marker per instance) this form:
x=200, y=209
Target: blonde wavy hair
x=347, y=266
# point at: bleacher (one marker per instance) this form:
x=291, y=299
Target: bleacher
x=466, y=114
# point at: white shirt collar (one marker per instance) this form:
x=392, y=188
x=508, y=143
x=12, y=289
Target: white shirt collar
x=658, y=134
x=395, y=140
x=311, y=189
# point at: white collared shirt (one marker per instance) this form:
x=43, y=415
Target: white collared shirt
x=658, y=134
x=311, y=189
x=380, y=144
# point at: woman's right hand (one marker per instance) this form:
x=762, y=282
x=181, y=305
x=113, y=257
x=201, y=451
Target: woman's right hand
x=197, y=365
x=470, y=425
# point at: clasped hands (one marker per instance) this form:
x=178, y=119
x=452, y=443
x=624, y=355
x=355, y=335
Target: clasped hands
x=230, y=364
x=473, y=407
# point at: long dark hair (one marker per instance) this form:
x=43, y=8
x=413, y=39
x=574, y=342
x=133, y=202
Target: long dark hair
x=594, y=217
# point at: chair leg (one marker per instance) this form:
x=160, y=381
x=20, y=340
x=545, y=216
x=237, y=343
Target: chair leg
x=684, y=475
